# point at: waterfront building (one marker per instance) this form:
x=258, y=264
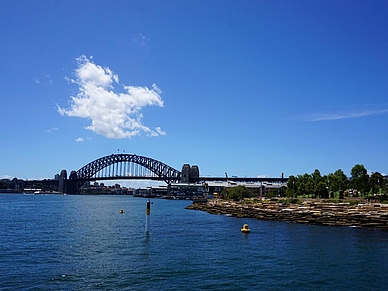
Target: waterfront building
x=261, y=189
x=151, y=192
x=185, y=190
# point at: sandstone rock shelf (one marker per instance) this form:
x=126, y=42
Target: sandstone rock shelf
x=365, y=215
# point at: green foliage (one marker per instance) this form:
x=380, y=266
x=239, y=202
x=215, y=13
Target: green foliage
x=376, y=182
x=321, y=190
x=340, y=181
x=382, y=198
x=272, y=193
x=360, y=178
x=315, y=185
x=316, y=176
x=291, y=187
x=290, y=193
x=236, y=193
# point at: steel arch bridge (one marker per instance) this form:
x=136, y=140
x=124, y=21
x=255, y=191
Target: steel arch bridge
x=127, y=166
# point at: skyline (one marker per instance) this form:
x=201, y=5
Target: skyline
x=248, y=88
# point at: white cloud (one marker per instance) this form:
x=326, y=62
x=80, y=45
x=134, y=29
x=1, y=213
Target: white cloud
x=50, y=130
x=140, y=38
x=48, y=78
x=80, y=139
x=112, y=114
x=160, y=131
x=345, y=115
x=69, y=80
x=44, y=80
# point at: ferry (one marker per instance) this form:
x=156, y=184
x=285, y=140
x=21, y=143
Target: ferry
x=32, y=191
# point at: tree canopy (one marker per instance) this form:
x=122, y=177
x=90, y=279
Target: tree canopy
x=316, y=185
x=236, y=193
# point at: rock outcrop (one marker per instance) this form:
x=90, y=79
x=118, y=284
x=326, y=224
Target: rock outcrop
x=366, y=215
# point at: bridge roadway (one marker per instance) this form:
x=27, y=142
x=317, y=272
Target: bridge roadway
x=198, y=180
x=243, y=179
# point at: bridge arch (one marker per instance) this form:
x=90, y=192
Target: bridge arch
x=122, y=166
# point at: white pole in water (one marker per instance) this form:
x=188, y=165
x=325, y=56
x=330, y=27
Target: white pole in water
x=148, y=211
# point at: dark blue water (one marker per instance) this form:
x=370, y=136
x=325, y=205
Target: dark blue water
x=52, y=242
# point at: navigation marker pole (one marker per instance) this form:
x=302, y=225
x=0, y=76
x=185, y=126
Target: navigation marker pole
x=148, y=211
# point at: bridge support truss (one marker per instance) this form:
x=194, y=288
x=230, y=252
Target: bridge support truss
x=121, y=166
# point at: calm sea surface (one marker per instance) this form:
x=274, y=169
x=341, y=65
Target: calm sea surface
x=53, y=242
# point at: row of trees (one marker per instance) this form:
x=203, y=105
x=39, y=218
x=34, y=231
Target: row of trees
x=319, y=186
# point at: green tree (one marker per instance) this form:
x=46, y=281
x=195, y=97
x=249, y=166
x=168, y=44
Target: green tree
x=291, y=184
x=384, y=186
x=360, y=178
x=321, y=190
x=309, y=185
x=299, y=185
x=304, y=185
x=340, y=179
x=316, y=176
x=316, y=180
x=337, y=181
x=236, y=193
x=376, y=181
x=331, y=181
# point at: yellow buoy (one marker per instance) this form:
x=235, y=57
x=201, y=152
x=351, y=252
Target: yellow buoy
x=121, y=211
x=245, y=228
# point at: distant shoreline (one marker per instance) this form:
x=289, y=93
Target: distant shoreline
x=317, y=212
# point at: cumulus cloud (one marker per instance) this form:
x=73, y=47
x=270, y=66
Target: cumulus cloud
x=80, y=139
x=112, y=114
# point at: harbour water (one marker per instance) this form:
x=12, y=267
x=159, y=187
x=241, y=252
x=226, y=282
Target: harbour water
x=54, y=242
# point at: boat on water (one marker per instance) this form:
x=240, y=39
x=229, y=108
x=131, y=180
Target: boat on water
x=32, y=191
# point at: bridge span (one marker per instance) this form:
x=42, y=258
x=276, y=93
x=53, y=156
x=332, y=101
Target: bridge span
x=136, y=167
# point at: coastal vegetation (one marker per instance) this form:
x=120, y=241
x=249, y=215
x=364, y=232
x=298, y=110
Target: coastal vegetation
x=360, y=200
x=338, y=185
x=236, y=193
x=333, y=187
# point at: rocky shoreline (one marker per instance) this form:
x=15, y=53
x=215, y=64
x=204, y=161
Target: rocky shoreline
x=365, y=215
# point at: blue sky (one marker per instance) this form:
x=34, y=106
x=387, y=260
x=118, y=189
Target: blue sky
x=249, y=88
